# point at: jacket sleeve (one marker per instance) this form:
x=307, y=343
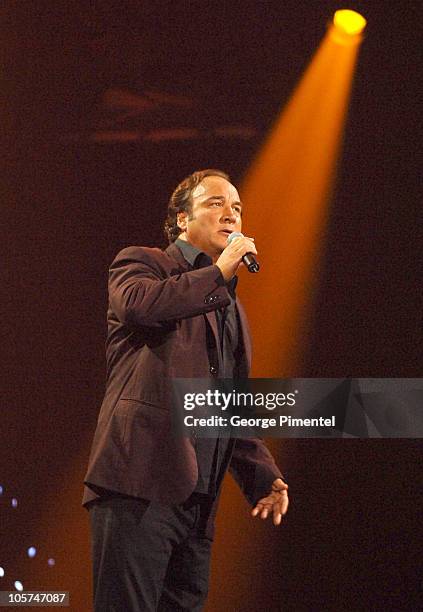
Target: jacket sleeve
x=140, y=292
x=253, y=468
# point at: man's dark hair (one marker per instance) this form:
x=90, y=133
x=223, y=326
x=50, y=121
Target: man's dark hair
x=181, y=201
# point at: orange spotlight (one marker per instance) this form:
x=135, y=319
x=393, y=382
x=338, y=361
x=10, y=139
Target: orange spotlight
x=289, y=186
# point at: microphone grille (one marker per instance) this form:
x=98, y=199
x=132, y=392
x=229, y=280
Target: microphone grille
x=233, y=236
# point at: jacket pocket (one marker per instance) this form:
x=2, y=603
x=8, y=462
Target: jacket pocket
x=140, y=430
x=143, y=413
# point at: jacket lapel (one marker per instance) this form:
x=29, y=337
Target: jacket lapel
x=173, y=252
x=246, y=336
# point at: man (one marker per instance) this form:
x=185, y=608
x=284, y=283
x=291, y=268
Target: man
x=152, y=495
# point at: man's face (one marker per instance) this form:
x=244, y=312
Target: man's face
x=216, y=213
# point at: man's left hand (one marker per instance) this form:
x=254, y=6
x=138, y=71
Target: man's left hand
x=276, y=502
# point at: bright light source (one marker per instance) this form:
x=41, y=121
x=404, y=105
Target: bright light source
x=18, y=585
x=51, y=562
x=1, y=572
x=32, y=551
x=349, y=22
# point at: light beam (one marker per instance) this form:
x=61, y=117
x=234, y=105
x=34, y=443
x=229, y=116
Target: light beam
x=286, y=192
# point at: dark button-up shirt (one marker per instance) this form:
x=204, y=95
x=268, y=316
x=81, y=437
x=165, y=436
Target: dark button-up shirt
x=212, y=453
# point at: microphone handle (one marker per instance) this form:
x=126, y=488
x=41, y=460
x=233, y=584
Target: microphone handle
x=250, y=261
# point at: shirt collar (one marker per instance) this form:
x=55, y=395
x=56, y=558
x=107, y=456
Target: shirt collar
x=198, y=259
x=195, y=257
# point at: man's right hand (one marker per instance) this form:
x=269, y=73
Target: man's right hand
x=231, y=257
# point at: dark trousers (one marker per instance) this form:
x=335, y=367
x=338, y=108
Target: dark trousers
x=148, y=556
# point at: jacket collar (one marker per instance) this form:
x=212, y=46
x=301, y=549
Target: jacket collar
x=173, y=252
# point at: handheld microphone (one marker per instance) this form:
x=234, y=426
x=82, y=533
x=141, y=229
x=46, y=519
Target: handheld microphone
x=248, y=259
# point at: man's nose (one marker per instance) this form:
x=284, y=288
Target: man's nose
x=228, y=215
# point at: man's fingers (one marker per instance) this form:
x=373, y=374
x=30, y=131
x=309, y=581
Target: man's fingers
x=277, y=508
x=244, y=245
x=285, y=504
x=250, y=247
x=264, y=513
x=242, y=238
x=259, y=509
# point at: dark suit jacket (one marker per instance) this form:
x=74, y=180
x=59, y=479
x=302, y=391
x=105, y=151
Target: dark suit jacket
x=160, y=320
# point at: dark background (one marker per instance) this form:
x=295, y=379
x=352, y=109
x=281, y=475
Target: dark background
x=71, y=201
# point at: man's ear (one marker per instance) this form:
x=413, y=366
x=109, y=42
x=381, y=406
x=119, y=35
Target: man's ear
x=181, y=220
